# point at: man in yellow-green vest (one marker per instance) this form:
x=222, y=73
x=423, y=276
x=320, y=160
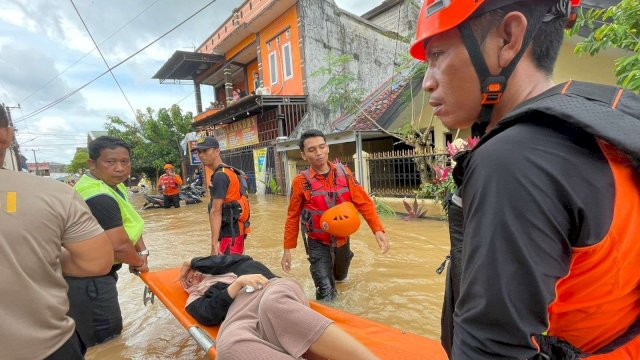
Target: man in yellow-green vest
x=93, y=301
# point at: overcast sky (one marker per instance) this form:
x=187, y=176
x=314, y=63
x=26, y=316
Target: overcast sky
x=45, y=53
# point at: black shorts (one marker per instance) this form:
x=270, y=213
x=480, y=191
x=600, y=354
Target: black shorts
x=93, y=304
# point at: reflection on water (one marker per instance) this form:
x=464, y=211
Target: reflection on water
x=399, y=288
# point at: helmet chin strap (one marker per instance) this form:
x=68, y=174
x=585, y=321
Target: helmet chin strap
x=493, y=86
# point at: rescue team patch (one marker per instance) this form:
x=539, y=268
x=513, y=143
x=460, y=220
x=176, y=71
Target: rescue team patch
x=11, y=204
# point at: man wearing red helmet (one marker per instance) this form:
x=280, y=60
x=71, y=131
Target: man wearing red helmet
x=549, y=200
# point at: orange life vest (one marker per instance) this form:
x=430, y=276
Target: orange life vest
x=320, y=196
x=169, y=185
x=235, y=207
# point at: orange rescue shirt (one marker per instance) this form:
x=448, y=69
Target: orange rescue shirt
x=359, y=197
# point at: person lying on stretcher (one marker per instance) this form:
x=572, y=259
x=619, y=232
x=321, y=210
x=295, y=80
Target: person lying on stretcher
x=261, y=316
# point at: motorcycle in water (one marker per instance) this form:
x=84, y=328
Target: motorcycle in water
x=152, y=201
x=187, y=194
x=190, y=193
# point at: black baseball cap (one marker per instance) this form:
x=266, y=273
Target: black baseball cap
x=208, y=142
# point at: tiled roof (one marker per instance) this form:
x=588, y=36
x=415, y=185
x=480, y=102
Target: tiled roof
x=376, y=108
x=373, y=106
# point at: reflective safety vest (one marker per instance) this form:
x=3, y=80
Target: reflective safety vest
x=613, y=117
x=318, y=198
x=133, y=224
x=235, y=207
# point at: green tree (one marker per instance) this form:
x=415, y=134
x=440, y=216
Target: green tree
x=79, y=162
x=343, y=95
x=617, y=26
x=154, y=136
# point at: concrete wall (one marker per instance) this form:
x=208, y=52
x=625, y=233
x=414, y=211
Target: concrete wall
x=325, y=28
x=400, y=19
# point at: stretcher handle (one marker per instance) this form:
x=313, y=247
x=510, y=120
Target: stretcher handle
x=202, y=338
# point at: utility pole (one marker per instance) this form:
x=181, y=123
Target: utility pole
x=14, y=151
x=35, y=160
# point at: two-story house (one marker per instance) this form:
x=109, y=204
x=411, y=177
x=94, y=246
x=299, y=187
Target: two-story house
x=256, y=67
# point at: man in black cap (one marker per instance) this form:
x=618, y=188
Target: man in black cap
x=229, y=205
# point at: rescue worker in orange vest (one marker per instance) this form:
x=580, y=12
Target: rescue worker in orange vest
x=169, y=184
x=545, y=251
x=229, y=206
x=313, y=192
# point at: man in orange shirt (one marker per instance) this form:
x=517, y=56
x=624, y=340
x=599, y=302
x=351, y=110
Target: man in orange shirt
x=169, y=183
x=314, y=191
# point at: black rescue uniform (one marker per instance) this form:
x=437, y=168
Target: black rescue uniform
x=536, y=190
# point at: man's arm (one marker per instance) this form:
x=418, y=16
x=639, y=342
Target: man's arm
x=215, y=221
x=367, y=208
x=212, y=307
x=91, y=257
x=124, y=250
x=178, y=180
x=219, y=186
x=292, y=223
x=86, y=250
x=107, y=212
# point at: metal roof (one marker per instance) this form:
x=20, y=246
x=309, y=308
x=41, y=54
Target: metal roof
x=187, y=66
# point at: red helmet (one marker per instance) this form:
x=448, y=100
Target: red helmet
x=341, y=220
x=438, y=16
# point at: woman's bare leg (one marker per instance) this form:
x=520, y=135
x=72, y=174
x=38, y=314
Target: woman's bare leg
x=337, y=344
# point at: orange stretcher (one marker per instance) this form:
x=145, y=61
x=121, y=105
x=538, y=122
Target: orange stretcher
x=385, y=341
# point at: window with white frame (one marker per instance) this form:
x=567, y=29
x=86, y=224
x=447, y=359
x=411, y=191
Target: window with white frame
x=273, y=67
x=287, y=65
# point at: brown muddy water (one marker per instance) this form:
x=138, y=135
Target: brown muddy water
x=399, y=288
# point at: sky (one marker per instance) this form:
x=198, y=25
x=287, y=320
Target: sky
x=46, y=53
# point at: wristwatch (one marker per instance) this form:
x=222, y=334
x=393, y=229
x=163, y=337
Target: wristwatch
x=144, y=252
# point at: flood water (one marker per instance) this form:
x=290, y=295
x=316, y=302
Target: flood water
x=399, y=288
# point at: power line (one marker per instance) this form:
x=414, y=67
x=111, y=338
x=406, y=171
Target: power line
x=103, y=59
x=87, y=54
x=52, y=134
x=186, y=96
x=63, y=98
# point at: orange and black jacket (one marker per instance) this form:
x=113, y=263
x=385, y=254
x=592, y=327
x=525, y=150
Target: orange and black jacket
x=551, y=249
x=301, y=196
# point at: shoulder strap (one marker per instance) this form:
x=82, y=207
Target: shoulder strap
x=609, y=113
x=234, y=169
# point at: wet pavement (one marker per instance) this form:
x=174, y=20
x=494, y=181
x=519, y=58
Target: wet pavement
x=399, y=288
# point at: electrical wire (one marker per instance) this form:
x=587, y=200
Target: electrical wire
x=65, y=97
x=103, y=59
x=89, y=52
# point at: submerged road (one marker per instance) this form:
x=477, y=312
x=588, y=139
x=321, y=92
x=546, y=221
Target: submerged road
x=399, y=288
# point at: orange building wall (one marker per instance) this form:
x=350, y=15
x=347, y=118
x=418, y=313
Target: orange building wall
x=243, y=15
x=252, y=67
x=292, y=86
x=240, y=46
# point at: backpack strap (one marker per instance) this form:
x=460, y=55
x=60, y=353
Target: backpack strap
x=609, y=113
